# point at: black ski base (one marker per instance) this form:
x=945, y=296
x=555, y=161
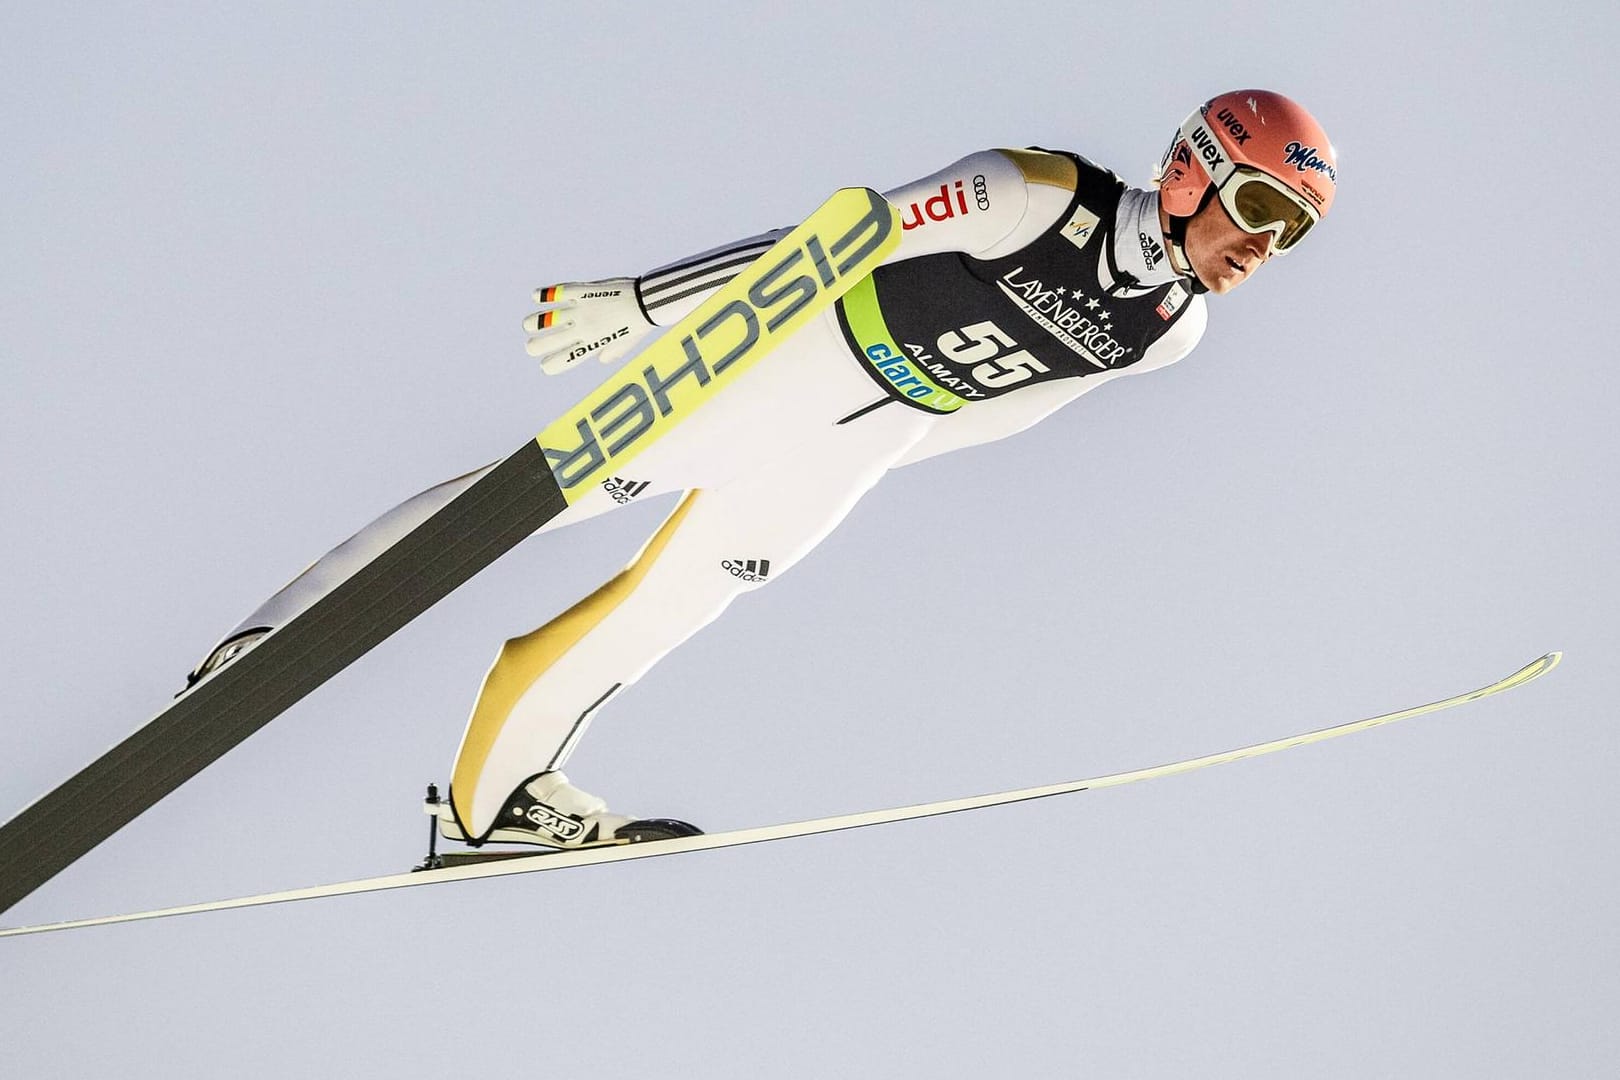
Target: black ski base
x=492, y=516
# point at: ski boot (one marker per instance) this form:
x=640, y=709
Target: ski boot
x=549, y=811
x=224, y=653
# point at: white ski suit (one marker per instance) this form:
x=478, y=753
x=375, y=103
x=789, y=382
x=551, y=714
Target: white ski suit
x=1002, y=249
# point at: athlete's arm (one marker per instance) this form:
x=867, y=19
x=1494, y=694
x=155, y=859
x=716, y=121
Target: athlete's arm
x=987, y=204
x=998, y=417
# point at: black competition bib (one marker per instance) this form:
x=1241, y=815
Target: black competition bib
x=944, y=330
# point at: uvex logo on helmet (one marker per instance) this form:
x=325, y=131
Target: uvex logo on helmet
x=1234, y=126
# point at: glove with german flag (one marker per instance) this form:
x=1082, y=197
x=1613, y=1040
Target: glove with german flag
x=577, y=319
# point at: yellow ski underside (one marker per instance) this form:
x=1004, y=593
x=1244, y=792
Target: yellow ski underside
x=796, y=280
x=625, y=852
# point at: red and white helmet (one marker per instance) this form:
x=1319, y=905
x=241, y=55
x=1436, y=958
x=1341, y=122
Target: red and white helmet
x=1267, y=159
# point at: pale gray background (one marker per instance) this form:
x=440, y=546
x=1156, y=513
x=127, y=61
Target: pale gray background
x=263, y=273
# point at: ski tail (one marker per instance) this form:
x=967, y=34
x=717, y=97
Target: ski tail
x=799, y=277
x=204, y=723
x=591, y=856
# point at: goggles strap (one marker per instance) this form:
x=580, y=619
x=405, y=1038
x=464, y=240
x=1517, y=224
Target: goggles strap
x=1176, y=243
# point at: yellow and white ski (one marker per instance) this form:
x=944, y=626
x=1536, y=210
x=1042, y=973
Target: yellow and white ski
x=624, y=852
x=798, y=278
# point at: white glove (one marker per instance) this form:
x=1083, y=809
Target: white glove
x=585, y=318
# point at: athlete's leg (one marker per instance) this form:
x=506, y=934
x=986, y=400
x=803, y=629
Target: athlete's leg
x=331, y=570
x=339, y=564
x=717, y=544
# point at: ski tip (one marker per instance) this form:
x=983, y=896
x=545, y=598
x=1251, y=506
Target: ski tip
x=1535, y=669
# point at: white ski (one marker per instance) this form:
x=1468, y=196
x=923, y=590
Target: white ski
x=623, y=852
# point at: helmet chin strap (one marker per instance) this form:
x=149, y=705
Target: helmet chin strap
x=1176, y=236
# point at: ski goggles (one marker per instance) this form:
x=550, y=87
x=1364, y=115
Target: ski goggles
x=1261, y=204
x=1256, y=201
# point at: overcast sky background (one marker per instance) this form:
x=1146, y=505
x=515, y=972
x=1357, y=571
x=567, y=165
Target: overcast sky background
x=263, y=273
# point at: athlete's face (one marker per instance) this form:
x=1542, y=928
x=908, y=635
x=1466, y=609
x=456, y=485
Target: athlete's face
x=1222, y=254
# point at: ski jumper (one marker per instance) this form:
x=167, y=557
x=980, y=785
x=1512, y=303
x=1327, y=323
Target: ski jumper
x=1024, y=278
